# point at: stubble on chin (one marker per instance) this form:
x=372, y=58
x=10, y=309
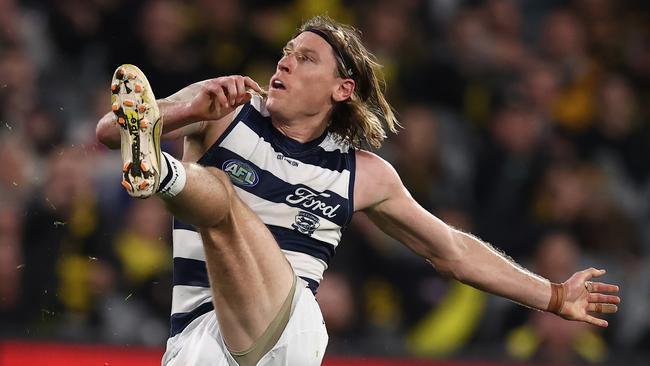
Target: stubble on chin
x=273, y=107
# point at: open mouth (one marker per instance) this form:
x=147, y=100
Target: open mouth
x=277, y=84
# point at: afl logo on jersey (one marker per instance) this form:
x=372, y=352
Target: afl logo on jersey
x=240, y=173
x=306, y=223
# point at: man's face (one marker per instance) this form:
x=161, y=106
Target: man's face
x=305, y=79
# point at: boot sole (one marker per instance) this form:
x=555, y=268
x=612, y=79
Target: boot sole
x=138, y=118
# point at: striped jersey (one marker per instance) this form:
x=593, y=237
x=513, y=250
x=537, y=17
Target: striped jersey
x=303, y=192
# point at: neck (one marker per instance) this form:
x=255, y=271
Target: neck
x=302, y=130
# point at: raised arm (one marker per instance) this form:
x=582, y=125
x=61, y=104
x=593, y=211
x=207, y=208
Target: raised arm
x=468, y=259
x=188, y=111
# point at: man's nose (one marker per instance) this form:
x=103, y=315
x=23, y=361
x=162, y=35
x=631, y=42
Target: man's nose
x=285, y=64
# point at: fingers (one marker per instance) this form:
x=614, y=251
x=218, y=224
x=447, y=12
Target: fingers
x=221, y=96
x=253, y=84
x=602, y=308
x=230, y=84
x=592, y=272
x=236, y=87
x=601, y=287
x=596, y=321
x=247, y=97
x=604, y=298
x=597, y=286
x=241, y=89
x=214, y=89
x=231, y=91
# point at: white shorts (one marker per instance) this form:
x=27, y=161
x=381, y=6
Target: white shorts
x=302, y=342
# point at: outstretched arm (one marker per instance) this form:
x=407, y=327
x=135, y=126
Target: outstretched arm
x=188, y=111
x=468, y=259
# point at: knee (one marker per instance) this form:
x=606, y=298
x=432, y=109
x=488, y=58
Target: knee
x=224, y=180
x=225, y=186
x=215, y=195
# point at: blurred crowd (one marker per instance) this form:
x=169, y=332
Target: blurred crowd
x=525, y=123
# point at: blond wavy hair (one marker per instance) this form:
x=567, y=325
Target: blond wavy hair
x=360, y=119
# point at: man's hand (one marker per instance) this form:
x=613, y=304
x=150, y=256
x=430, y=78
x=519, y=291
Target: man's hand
x=216, y=98
x=582, y=296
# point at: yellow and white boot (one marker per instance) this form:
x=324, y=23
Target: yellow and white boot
x=140, y=123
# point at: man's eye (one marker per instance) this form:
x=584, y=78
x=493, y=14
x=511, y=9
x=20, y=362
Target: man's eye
x=302, y=57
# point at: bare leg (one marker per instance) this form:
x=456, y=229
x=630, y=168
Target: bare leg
x=249, y=276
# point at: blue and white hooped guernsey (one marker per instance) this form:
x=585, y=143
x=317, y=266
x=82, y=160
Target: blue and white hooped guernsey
x=302, y=192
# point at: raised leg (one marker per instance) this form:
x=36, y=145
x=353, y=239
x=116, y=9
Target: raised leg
x=249, y=276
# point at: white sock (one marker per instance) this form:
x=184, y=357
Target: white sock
x=172, y=176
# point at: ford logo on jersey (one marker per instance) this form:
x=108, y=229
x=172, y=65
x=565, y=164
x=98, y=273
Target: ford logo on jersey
x=314, y=201
x=240, y=173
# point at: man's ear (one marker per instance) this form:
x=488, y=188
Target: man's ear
x=344, y=90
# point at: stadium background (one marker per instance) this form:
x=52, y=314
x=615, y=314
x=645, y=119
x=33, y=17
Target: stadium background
x=526, y=123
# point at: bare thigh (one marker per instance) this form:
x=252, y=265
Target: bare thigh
x=249, y=275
